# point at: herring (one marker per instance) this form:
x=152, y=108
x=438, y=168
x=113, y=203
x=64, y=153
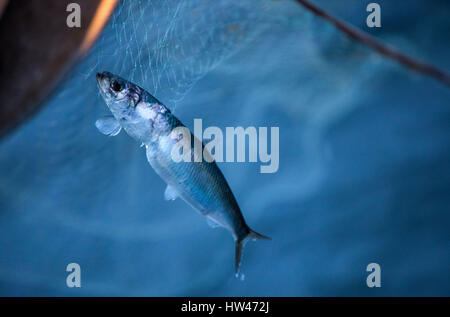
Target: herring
x=201, y=184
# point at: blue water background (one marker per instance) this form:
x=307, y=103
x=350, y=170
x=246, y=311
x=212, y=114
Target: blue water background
x=364, y=158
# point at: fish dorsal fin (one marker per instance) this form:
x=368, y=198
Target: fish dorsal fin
x=108, y=125
x=211, y=222
x=170, y=193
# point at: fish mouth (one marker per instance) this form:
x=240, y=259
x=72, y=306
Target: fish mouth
x=102, y=81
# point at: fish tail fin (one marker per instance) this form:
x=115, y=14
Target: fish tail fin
x=251, y=235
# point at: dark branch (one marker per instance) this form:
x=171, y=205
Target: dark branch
x=383, y=49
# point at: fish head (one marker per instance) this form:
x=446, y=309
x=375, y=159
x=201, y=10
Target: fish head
x=141, y=115
x=120, y=95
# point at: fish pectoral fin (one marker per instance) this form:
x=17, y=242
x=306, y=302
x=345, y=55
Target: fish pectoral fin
x=211, y=222
x=170, y=193
x=108, y=125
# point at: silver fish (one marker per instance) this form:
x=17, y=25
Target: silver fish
x=201, y=184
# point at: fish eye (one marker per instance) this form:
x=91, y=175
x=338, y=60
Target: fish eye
x=116, y=86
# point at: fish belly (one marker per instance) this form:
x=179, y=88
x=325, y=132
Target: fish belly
x=201, y=184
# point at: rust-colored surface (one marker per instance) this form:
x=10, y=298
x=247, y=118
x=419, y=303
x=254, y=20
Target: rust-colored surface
x=3, y=4
x=37, y=48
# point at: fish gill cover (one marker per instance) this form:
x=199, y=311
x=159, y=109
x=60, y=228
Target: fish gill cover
x=363, y=176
